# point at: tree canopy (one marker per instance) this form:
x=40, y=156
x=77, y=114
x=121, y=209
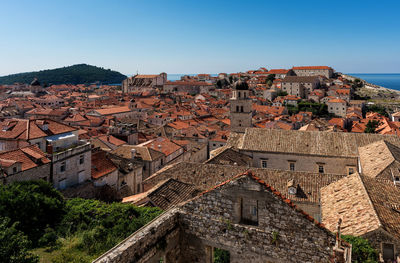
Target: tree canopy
x=34, y=215
x=362, y=251
x=14, y=244
x=76, y=74
x=35, y=205
x=371, y=126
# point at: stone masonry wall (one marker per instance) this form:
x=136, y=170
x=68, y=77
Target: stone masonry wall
x=148, y=244
x=40, y=172
x=282, y=235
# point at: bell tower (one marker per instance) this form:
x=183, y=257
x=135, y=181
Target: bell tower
x=240, y=107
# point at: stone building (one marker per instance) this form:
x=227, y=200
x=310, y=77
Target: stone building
x=151, y=160
x=311, y=151
x=191, y=87
x=240, y=107
x=368, y=208
x=144, y=82
x=314, y=71
x=130, y=174
x=300, y=86
x=337, y=107
x=303, y=188
x=243, y=216
x=24, y=164
x=70, y=157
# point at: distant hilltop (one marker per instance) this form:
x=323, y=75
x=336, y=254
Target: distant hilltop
x=75, y=74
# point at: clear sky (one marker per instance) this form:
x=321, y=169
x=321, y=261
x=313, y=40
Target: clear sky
x=196, y=36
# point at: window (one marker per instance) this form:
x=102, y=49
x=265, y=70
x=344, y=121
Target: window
x=291, y=166
x=63, y=167
x=81, y=159
x=237, y=108
x=321, y=169
x=351, y=170
x=249, y=215
x=241, y=108
x=14, y=169
x=388, y=252
x=264, y=164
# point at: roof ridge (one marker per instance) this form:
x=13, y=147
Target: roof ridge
x=369, y=198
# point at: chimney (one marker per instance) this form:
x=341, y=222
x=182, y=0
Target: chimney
x=49, y=149
x=133, y=153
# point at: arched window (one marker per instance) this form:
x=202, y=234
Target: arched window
x=237, y=108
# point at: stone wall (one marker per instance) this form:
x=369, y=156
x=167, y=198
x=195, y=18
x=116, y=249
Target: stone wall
x=378, y=237
x=189, y=233
x=206, y=176
x=307, y=163
x=75, y=172
x=40, y=172
x=282, y=234
x=156, y=240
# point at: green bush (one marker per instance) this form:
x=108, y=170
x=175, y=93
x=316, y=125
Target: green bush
x=362, y=251
x=49, y=238
x=221, y=256
x=35, y=205
x=76, y=230
x=14, y=244
x=99, y=225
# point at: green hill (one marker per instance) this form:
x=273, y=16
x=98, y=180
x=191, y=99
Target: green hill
x=76, y=74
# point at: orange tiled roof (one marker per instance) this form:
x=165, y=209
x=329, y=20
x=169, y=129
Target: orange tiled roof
x=101, y=165
x=31, y=129
x=25, y=156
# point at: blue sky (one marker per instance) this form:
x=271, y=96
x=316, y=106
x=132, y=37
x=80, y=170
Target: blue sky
x=192, y=36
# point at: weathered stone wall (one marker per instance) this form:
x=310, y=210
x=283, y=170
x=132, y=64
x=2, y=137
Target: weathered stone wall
x=149, y=244
x=40, y=172
x=205, y=176
x=307, y=163
x=282, y=235
x=378, y=237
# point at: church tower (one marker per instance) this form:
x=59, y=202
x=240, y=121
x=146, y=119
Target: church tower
x=240, y=107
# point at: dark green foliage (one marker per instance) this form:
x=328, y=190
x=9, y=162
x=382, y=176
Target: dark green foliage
x=318, y=109
x=49, y=238
x=14, y=244
x=76, y=74
x=360, y=97
x=281, y=93
x=76, y=230
x=102, y=225
x=35, y=205
x=377, y=108
x=371, y=126
x=270, y=78
x=221, y=256
x=362, y=251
